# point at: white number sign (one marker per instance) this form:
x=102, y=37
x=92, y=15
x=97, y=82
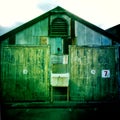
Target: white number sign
x=105, y=73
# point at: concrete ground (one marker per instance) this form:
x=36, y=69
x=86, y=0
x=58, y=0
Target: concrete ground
x=59, y=111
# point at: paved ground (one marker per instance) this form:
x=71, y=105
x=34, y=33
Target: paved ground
x=59, y=112
x=45, y=114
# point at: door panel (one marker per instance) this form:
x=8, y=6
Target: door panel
x=56, y=45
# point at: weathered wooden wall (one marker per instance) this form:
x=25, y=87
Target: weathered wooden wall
x=87, y=82
x=25, y=73
x=78, y=32
x=86, y=36
x=32, y=35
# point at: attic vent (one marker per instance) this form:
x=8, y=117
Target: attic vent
x=59, y=27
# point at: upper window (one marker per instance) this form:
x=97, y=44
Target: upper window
x=59, y=27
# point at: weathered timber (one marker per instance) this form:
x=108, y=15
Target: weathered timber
x=92, y=73
x=25, y=73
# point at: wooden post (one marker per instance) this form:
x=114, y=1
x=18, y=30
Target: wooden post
x=68, y=93
x=51, y=94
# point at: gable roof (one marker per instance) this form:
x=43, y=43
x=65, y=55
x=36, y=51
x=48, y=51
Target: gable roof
x=59, y=10
x=115, y=30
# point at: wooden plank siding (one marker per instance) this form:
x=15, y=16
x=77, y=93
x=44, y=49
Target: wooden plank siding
x=86, y=36
x=32, y=34
x=25, y=73
x=86, y=80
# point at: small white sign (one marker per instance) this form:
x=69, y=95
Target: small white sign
x=93, y=72
x=25, y=71
x=105, y=73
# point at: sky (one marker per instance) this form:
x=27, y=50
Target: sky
x=102, y=13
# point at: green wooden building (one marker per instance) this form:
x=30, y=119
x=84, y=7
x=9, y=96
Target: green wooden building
x=58, y=56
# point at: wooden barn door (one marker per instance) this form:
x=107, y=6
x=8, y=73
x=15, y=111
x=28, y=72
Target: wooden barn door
x=92, y=73
x=25, y=73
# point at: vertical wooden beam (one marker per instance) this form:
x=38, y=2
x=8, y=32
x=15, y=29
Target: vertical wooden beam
x=51, y=94
x=68, y=93
x=72, y=29
x=48, y=25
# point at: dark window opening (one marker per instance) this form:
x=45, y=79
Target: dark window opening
x=59, y=27
x=66, y=44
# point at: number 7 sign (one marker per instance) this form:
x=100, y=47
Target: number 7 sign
x=105, y=73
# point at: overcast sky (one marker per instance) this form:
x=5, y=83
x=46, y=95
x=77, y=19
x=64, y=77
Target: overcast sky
x=102, y=13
